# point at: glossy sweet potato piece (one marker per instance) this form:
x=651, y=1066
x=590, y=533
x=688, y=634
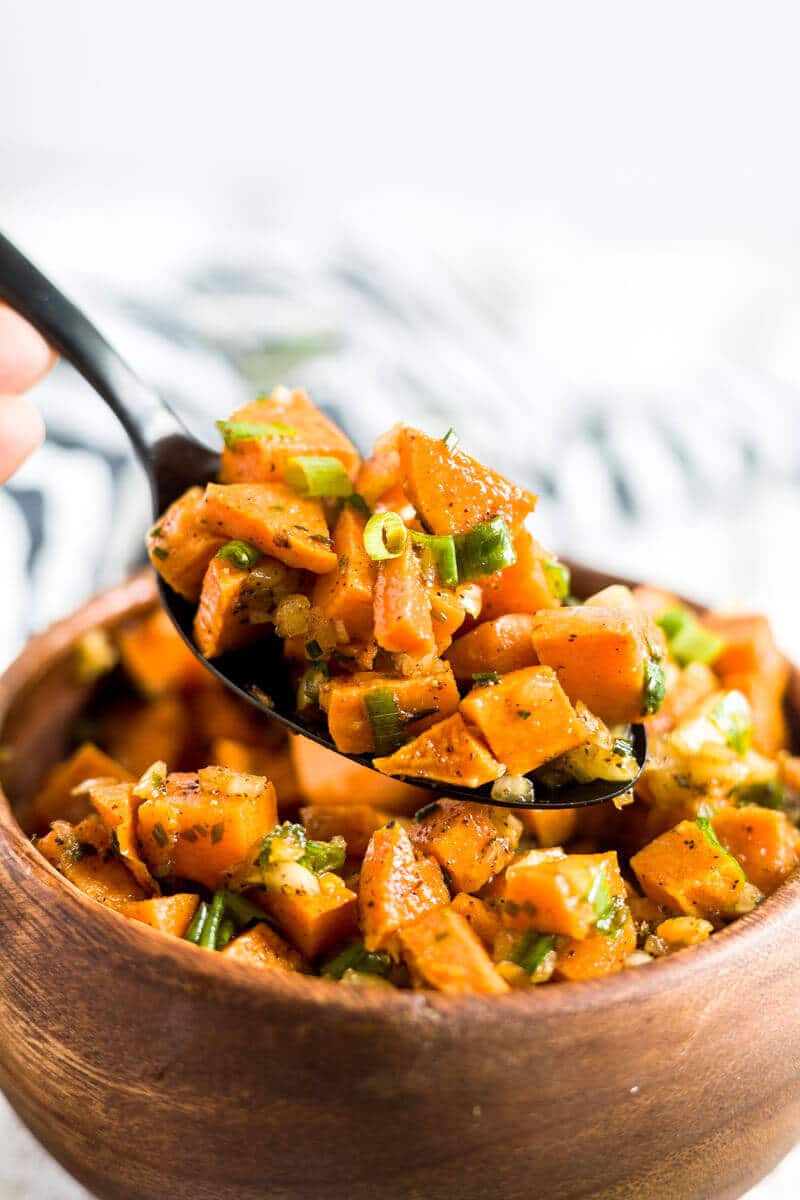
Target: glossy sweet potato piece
x=595, y=955
x=554, y=828
x=447, y=615
x=170, y=914
x=471, y=842
x=356, y=823
x=522, y=588
x=85, y=855
x=503, y=644
x=264, y=459
x=155, y=656
x=750, y=646
x=764, y=694
x=393, y=891
x=116, y=804
x=218, y=713
x=380, y=473
x=272, y=517
x=343, y=699
x=181, y=547
x=347, y=593
x=685, y=872
x=453, y=492
x=196, y=830
x=403, y=622
x=264, y=948
x=764, y=842
x=138, y=735
x=222, y=622
x=526, y=718
x=678, y=932
x=315, y=923
x=555, y=894
x=444, y=953
x=325, y=778
x=599, y=656
x=448, y=752
x=55, y=799
x=483, y=919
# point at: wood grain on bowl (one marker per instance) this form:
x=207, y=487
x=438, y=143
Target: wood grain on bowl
x=153, y=1069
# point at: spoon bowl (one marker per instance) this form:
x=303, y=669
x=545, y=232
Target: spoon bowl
x=173, y=461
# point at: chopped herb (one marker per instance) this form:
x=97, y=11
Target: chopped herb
x=160, y=552
x=606, y=907
x=486, y=678
x=524, y=713
x=687, y=640
x=344, y=562
x=321, y=538
x=426, y=810
x=356, y=501
x=733, y=719
x=558, y=578
x=771, y=793
x=324, y=856
x=243, y=911
x=703, y=822
x=285, y=843
x=160, y=835
x=451, y=439
x=531, y=950
x=309, y=685
x=356, y=957
x=234, y=432
x=217, y=832
x=240, y=554
x=313, y=649
x=655, y=686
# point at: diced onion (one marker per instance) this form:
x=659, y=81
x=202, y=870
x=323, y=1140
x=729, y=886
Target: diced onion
x=290, y=878
x=385, y=536
x=509, y=789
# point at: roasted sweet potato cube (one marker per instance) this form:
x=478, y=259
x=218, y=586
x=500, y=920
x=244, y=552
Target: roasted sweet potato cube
x=553, y=828
x=156, y=657
x=140, y=734
x=181, y=547
x=502, y=645
x=222, y=620
x=264, y=948
x=564, y=894
x=85, y=855
x=274, y=519
x=764, y=842
x=356, y=823
x=444, y=953
x=263, y=459
x=170, y=914
x=447, y=615
x=526, y=718
x=678, y=932
x=393, y=891
x=483, y=919
x=523, y=587
x=326, y=778
x=435, y=696
x=448, y=752
x=55, y=799
x=315, y=922
x=347, y=593
x=116, y=804
x=686, y=871
x=595, y=955
x=403, y=621
x=471, y=842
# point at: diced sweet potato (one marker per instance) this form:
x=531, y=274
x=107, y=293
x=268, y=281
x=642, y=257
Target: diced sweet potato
x=315, y=922
x=685, y=872
x=264, y=948
x=444, y=953
x=469, y=841
x=85, y=855
x=448, y=752
x=264, y=459
x=764, y=694
x=654, y=602
x=116, y=805
x=222, y=621
x=218, y=713
x=526, y=718
x=403, y=621
x=435, y=695
x=447, y=615
x=380, y=472
x=393, y=891
x=325, y=778
x=356, y=823
x=503, y=644
x=484, y=920
x=347, y=593
x=451, y=491
x=764, y=842
x=180, y=547
x=678, y=932
x=138, y=735
x=750, y=646
x=685, y=689
x=55, y=799
x=553, y=828
x=272, y=517
x=170, y=914
x=523, y=587
x=599, y=655
x=595, y=955
x=156, y=657
x=274, y=762
x=557, y=895
x=197, y=831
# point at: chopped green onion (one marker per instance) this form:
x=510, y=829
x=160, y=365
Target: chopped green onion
x=655, y=686
x=485, y=549
x=442, y=550
x=356, y=501
x=227, y=931
x=160, y=836
x=486, y=678
x=234, y=432
x=312, y=476
x=687, y=640
x=385, y=536
x=770, y=793
x=531, y=950
x=195, y=929
x=241, y=554
x=356, y=958
x=707, y=829
x=451, y=439
x=515, y=790
x=386, y=720
x=285, y=843
x=324, y=856
x=160, y=552
x=210, y=932
x=309, y=685
x=558, y=578
x=600, y=898
x=622, y=747
x=243, y=911
x=313, y=649
x=733, y=719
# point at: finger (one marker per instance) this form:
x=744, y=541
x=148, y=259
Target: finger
x=24, y=355
x=21, y=431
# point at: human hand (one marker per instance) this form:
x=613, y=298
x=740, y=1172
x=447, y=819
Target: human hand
x=24, y=358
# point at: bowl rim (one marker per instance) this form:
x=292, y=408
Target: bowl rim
x=138, y=592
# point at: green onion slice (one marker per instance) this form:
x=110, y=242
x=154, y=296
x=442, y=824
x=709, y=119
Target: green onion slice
x=227, y=931
x=388, y=726
x=385, y=536
x=703, y=823
x=285, y=843
x=485, y=549
x=312, y=476
x=442, y=550
x=655, y=686
x=210, y=931
x=531, y=950
x=558, y=578
x=324, y=856
x=195, y=929
x=687, y=640
x=242, y=910
x=234, y=432
x=733, y=719
x=486, y=678
x=605, y=905
x=308, y=688
x=356, y=957
x=770, y=793
x=451, y=439
x=241, y=554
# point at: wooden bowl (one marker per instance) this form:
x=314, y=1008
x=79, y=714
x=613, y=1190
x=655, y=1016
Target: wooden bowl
x=152, y=1069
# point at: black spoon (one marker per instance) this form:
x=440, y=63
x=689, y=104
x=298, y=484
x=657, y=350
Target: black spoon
x=173, y=460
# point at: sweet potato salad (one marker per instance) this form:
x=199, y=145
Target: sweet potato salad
x=429, y=630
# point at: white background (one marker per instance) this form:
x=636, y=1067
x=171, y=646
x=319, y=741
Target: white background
x=623, y=176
